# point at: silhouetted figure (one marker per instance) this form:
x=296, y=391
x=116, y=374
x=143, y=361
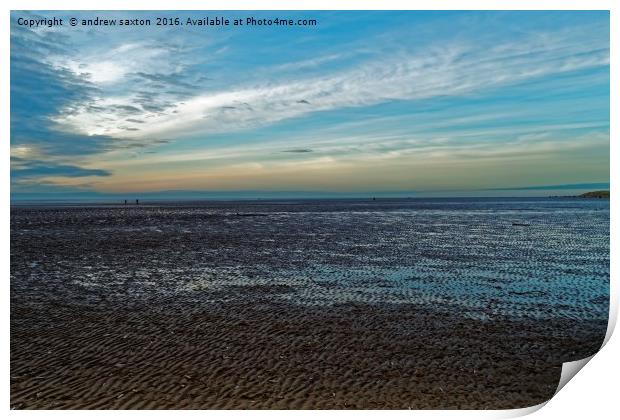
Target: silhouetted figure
x=137, y=202
x=125, y=202
x=374, y=199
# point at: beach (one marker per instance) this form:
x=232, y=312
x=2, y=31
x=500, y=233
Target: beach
x=319, y=304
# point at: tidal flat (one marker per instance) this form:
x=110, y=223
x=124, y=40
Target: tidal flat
x=317, y=304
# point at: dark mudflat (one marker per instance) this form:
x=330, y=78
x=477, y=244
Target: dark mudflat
x=163, y=308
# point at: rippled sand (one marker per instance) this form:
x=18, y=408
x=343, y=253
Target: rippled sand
x=387, y=304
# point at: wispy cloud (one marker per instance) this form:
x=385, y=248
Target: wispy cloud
x=298, y=151
x=444, y=70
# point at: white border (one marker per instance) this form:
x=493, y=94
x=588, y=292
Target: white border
x=592, y=394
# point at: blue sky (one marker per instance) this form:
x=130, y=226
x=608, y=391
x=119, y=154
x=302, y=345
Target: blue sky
x=419, y=103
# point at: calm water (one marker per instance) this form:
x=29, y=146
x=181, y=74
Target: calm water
x=538, y=258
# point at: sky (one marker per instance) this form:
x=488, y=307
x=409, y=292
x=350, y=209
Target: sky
x=387, y=103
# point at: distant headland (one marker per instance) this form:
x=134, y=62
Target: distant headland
x=590, y=194
x=595, y=194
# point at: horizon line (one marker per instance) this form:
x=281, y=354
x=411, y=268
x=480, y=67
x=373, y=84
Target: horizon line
x=245, y=194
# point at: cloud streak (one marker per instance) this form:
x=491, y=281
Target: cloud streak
x=21, y=168
x=440, y=71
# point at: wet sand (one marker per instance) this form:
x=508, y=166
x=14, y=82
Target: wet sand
x=257, y=353
x=130, y=344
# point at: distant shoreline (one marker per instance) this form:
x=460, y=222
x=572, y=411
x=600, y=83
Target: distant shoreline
x=602, y=194
x=200, y=201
